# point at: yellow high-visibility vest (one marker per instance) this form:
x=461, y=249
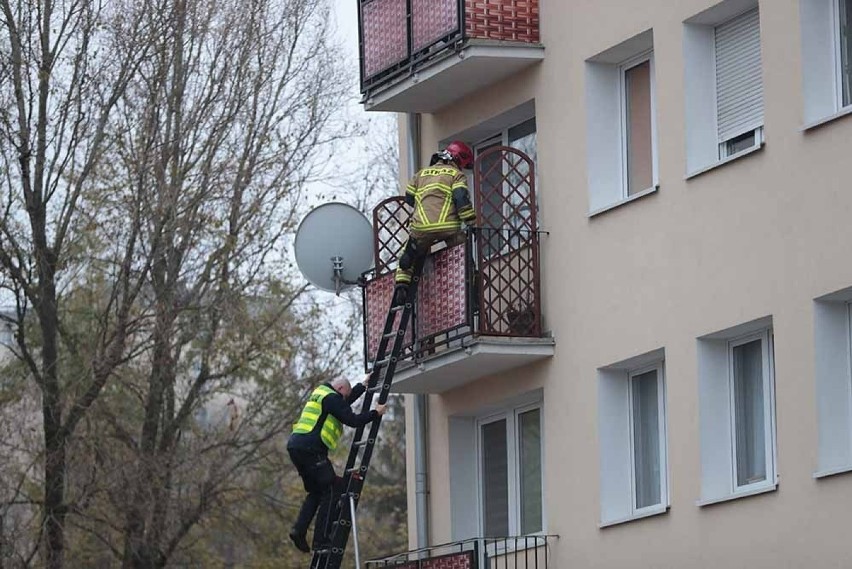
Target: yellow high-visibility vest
x=332, y=429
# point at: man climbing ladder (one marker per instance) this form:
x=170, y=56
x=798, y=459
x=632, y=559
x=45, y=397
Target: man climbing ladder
x=361, y=451
x=318, y=430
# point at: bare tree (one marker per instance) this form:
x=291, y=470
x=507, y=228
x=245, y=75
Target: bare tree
x=154, y=158
x=221, y=131
x=61, y=79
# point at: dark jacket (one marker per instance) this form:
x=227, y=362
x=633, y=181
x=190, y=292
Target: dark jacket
x=336, y=405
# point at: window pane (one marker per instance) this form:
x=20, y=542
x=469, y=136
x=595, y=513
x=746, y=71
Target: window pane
x=495, y=479
x=846, y=50
x=529, y=429
x=740, y=143
x=639, y=154
x=749, y=419
x=646, y=439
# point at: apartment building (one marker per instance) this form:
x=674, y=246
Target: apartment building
x=642, y=358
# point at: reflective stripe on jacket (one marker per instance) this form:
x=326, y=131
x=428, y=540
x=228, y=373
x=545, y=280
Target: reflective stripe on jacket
x=440, y=199
x=332, y=429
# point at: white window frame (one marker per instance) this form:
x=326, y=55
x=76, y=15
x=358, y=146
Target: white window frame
x=833, y=382
x=705, y=150
x=513, y=466
x=837, y=39
x=766, y=346
x=623, y=68
x=725, y=152
x=663, y=437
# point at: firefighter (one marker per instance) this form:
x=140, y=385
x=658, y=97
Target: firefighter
x=318, y=430
x=439, y=196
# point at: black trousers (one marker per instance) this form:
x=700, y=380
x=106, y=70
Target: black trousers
x=317, y=473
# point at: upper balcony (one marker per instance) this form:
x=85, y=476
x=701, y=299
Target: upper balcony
x=478, y=306
x=422, y=55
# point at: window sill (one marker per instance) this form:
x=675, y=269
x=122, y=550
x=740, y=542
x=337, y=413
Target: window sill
x=833, y=471
x=724, y=161
x=845, y=111
x=627, y=200
x=738, y=495
x=653, y=512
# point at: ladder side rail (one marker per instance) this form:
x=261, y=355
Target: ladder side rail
x=354, y=479
x=354, y=484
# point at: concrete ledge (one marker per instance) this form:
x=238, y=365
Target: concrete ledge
x=477, y=357
x=453, y=75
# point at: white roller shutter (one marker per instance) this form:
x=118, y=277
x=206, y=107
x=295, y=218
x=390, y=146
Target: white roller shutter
x=739, y=85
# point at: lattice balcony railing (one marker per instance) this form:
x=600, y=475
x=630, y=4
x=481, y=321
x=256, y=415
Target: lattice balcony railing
x=489, y=285
x=399, y=36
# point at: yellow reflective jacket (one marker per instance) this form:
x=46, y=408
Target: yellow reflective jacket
x=332, y=429
x=440, y=199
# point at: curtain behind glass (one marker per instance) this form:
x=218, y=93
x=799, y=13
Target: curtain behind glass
x=640, y=167
x=495, y=479
x=749, y=419
x=646, y=439
x=529, y=429
x=846, y=50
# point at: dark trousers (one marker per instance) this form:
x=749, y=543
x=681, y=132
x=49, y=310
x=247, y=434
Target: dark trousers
x=318, y=476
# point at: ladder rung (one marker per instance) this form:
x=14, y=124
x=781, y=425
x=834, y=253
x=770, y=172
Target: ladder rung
x=363, y=443
x=355, y=469
x=392, y=334
x=383, y=363
x=378, y=388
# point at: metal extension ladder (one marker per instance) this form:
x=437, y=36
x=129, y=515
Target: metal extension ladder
x=361, y=451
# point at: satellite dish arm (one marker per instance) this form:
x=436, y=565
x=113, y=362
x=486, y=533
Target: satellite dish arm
x=339, y=281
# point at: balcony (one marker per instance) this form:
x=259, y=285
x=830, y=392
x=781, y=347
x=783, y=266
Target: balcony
x=526, y=552
x=422, y=55
x=478, y=307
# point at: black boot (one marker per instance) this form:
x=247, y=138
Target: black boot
x=300, y=541
x=400, y=294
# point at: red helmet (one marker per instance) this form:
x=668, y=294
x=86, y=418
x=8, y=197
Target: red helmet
x=461, y=153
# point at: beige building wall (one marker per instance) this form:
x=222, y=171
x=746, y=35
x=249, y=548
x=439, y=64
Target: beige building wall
x=761, y=236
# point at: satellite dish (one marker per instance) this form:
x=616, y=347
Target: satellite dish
x=334, y=246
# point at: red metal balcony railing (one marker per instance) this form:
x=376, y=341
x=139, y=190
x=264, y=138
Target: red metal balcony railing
x=489, y=285
x=400, y=36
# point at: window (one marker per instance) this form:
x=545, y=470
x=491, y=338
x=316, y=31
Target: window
x=724, y=84
x=826, y=55
x=646, y=392
x=844, y=49
x=737, y=412
x=510, y=466
x=621, y=127
x=833, y=369
x=632, y=428
x=749, y=398
x=637, y=138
